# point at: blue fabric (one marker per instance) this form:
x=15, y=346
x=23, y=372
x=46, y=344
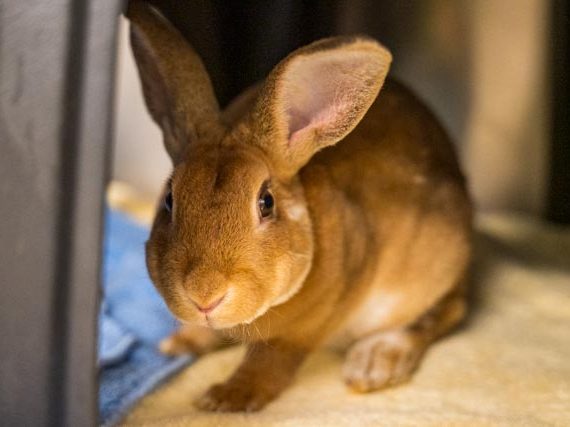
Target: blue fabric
x=132, y=321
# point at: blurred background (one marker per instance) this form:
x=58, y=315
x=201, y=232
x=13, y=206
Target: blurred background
x=72, y=120
x=483, y=66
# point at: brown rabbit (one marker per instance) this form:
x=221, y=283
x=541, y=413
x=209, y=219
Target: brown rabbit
x=267, y=236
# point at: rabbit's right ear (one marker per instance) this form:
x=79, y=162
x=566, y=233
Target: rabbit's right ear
x=315, y=97
x=177, y=89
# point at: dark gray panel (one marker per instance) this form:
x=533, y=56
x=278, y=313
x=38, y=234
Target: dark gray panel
x=56, y=75
x=31, y=88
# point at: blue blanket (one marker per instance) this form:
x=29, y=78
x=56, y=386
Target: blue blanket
x=133, y=319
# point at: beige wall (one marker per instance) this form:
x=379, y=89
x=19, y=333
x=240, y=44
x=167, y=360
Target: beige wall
x=139, y=158
x=507, y=138
x=503, y=139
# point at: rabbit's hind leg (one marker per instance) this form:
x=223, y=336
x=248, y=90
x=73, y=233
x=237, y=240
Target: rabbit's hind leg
x=388, y=358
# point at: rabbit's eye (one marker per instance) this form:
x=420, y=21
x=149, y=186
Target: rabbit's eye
x=266, y=202
x=168, y=202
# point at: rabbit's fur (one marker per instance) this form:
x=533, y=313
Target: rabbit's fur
x=369, y=240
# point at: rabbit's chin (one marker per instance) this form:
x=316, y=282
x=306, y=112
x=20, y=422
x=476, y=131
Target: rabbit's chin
x=211, y=321
x=222, y=320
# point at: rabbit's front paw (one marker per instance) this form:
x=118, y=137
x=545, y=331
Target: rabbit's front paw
x=189, y=339
x=234, y=397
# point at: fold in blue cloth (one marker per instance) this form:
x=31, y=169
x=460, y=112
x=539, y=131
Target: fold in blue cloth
x=132, y=321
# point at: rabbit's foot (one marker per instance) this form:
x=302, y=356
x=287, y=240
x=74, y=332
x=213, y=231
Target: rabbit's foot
x=382, y=360
x=232, y=396
x=189, y=339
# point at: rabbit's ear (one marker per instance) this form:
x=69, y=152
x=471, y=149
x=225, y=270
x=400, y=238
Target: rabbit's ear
x=177, y=89
x=316, y=96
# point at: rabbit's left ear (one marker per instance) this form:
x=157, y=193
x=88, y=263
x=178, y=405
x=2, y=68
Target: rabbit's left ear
x=176, y=87
x=316, y=96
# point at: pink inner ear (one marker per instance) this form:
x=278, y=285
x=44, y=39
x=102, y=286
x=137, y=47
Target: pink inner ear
x=320, y=92
x=324, y=120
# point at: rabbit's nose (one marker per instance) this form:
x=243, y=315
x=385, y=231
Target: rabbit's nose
x=208, y=306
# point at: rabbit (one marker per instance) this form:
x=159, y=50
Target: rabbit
x=324, y=207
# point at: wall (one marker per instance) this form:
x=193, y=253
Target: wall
x=507, y=136
x=139, y=158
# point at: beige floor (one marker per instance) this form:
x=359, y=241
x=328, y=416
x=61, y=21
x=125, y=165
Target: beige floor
x=509, y=366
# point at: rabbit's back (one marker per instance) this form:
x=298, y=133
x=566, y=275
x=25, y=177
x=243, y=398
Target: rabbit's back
x=403, y=203
x=398, y=145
